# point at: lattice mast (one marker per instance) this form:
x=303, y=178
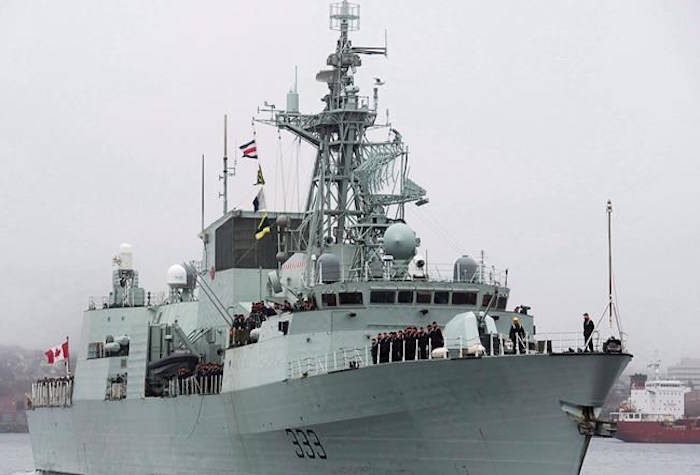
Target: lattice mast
x=347, y=202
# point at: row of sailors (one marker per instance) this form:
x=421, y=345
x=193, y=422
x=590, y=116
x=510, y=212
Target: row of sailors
x=202, y=370
x=412, y=343
x=239, y=333
x=51, y=392
x=60, y=379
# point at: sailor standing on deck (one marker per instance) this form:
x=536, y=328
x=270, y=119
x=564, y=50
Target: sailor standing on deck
x=517, y=336
x=588, y=327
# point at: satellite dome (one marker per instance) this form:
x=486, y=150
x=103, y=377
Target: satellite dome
x=400, y=241
x=177, y=277
x=126, y=256
x=465, y=268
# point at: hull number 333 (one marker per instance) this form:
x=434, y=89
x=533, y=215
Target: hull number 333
x=306, y=444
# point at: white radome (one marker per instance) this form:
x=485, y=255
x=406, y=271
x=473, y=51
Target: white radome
x=400, y=241
x=177, y=276
x=126, y=256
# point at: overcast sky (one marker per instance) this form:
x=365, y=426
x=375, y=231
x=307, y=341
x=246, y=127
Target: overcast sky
x=522, y=119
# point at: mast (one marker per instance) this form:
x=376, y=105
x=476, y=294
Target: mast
x=225, y=174
x=68, y=359
x=610, y=281
x=202, y=226
x=357, y=183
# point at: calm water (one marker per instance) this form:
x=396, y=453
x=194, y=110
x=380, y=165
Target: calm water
x=606, y=457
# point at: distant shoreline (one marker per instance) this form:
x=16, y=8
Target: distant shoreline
x=14, y=429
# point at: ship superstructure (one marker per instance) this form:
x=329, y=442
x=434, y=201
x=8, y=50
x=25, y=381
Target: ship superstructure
x=655, y=413
x=260, y=358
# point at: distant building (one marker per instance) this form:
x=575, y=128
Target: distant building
x=687, y=371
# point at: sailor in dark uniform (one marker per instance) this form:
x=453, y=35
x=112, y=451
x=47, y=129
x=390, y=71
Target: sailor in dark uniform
x=410, y=344
x=436, y=338
x=588, y=327
x=517, y=336
x=422, y=344
x=398, y=346
x=384, y=347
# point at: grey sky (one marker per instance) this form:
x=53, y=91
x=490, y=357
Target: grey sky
x=522, y=119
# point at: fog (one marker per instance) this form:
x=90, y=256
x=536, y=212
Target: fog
x=522, y=119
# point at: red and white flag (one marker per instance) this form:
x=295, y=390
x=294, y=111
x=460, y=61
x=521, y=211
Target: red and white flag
x=249, y=149
x=57, y=353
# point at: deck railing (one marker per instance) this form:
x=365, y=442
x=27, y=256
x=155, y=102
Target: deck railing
x=200, y=385
x=432, y=272
x=494, y=345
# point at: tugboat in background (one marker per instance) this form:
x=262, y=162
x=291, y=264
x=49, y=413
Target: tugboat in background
x=655, y=413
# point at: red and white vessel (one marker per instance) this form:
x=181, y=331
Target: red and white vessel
x=655, y=412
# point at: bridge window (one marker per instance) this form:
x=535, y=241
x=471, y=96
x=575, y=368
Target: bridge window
x=441, y=298
x=382, y=296
x=486, y=300
x=350, y=298
x=329, y=300
x=464, y=298
x=405, y=296
x=423, y=296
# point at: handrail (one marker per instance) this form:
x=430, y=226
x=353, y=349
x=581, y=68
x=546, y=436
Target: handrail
x=488, y=346
x=195, y=385
x=432, y=272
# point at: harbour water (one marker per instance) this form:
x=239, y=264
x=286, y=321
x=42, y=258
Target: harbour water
x=606, y=457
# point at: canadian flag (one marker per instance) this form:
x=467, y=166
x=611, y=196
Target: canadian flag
x=57, y=353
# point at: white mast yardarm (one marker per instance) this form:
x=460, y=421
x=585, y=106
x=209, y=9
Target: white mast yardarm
x=357, y=185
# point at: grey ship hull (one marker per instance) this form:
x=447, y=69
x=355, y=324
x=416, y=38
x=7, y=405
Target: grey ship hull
x=485, y=416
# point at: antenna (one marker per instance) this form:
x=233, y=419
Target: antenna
x=202, y=192
x=345, y=16
x=610, y=282
x=293, y=96
x=224, y=177
x=612, y=307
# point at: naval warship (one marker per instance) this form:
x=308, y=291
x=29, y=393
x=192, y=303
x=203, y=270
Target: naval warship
x=260, y=358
